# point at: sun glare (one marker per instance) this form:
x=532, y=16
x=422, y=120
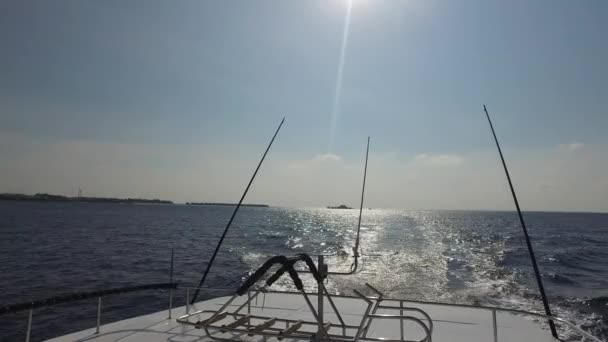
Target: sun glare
x=338, y=90
x=351, y=3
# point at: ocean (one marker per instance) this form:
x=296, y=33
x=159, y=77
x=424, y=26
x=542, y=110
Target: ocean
x=472, y=257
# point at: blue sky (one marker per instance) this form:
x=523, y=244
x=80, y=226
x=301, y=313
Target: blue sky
x=158, y=91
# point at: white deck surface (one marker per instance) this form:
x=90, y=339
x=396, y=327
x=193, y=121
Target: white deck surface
x=450, y=323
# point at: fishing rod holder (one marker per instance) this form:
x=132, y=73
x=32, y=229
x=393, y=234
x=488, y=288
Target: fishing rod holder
x=231, y=323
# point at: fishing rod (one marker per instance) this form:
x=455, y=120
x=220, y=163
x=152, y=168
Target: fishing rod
x=356, y=255
x=355, y=264
x=236, y=209
x=356, y=249
x=539, y=281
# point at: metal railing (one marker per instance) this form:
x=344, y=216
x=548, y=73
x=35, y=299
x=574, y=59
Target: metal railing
x=245, y=325
x=318, y=314
x=242, y=323
x=77, y=296
x=492, y=310
x=585, y=335
x=427, y=328
x=30, y=306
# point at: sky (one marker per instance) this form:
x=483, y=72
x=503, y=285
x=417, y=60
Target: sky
x=178, y=99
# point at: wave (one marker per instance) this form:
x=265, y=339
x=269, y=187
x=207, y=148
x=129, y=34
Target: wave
x=562, y=279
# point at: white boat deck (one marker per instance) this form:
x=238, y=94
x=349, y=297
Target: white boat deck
x=451, y=323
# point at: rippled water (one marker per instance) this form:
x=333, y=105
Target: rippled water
x=459, y=257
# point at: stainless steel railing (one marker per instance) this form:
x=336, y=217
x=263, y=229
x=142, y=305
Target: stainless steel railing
x=31, y=306
x=494, y=310
x=368, y=317
x=402, y=303
x=78, y=296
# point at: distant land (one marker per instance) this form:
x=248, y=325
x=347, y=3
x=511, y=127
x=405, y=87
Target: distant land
x=229, y=204
x=341, y=206
x=44, y=197
x=60, y=198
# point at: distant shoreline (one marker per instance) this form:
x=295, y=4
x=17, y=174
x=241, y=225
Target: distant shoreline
x=42, y=197
x=229, y=204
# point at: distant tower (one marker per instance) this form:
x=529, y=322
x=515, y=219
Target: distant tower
x=79, y=192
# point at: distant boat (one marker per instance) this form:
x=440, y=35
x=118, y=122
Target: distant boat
x=341, y=206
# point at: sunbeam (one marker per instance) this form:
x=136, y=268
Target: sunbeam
x=338, y=90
